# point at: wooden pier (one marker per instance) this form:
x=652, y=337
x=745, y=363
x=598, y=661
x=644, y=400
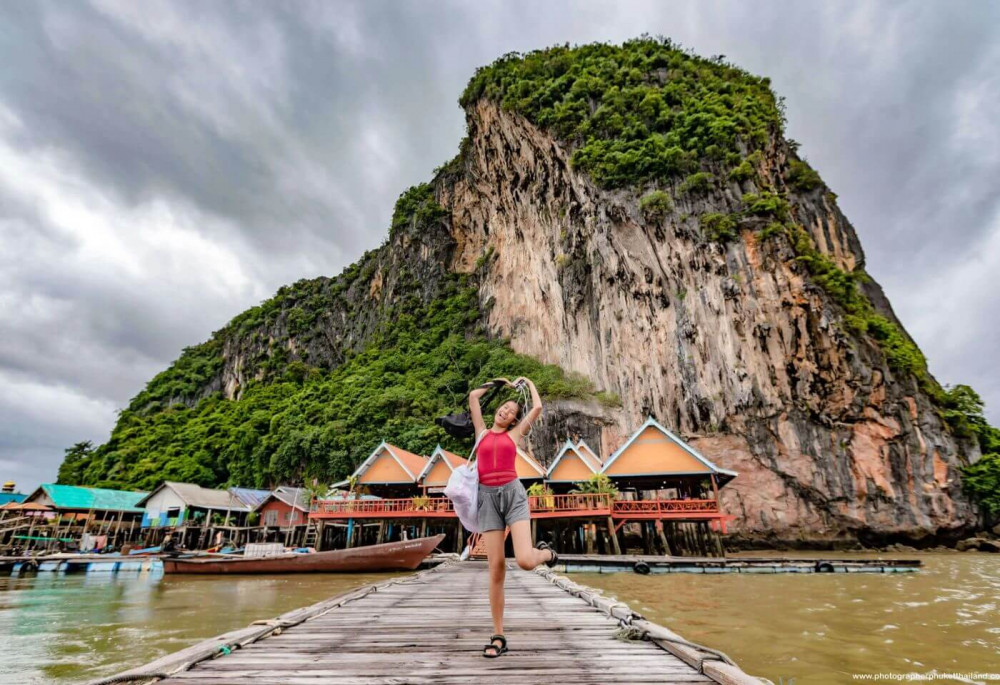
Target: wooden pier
x=652, y=563
x=429, y=627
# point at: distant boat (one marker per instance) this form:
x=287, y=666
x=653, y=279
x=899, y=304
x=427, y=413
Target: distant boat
x=404, y=555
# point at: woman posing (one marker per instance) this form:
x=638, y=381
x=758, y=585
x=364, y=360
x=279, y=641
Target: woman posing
x=503, y=501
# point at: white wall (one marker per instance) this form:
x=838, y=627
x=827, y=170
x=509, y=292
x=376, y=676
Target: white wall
x=163, y=500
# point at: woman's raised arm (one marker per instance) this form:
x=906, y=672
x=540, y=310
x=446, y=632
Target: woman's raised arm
x=474, y=409
x=536, y=410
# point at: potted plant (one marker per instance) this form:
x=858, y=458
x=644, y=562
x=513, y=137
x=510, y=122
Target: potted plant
x=421, y=502
x=597, y=484
x=544, y=493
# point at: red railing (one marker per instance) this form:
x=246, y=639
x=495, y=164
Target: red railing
x=383, y=507
x=570, y=503
x=542, y=505
x=665, y=506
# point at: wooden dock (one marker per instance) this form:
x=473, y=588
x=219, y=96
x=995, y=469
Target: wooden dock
x=651, y=563
x=429, y=627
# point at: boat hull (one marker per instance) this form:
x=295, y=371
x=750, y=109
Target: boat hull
x=404, y=555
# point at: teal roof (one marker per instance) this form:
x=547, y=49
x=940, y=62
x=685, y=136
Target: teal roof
x=101, y=499
x=8, y=497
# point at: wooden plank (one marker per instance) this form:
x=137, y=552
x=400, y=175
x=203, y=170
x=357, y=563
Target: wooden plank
x=431, y=627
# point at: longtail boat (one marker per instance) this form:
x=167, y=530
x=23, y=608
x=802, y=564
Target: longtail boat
x=404, y=555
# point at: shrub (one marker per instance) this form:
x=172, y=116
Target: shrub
x=743, y=172
x=802, y=177
x=772, y=229
x=655, y=206
x=766, y=203
x=416, y=207
x=720, y=228
x=697, y=183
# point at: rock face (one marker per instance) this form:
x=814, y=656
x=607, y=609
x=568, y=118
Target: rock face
x=731, y=345
x=734, y=344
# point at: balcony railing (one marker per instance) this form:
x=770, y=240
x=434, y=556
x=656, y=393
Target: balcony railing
x=666, y=506
x=570, y=503
x=544, y=505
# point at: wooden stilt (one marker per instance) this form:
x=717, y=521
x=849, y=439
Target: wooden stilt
x=320, y=532
x=381, y=533
x=616, y=548
x=663, y=538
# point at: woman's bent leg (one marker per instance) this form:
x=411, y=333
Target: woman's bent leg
x=528, y=556
x=495, y=557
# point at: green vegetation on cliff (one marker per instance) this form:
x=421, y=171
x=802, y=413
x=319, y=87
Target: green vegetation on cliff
x=645, y=111
x=964, y=412
x=314, y=423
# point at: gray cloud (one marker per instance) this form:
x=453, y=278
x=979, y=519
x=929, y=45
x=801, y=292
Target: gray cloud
x=165, y=165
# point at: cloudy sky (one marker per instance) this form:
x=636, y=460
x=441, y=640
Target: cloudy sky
x=163, y=166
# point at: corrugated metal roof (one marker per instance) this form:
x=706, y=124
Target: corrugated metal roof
x=251, y=498
x=7, y=497
x=99, y=499
x=204, y=498
x=293, y=497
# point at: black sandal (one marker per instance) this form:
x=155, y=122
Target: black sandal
x=497, y=650
x=555, y=557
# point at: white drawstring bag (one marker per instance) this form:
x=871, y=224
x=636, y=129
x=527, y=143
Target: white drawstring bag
x=463, y=490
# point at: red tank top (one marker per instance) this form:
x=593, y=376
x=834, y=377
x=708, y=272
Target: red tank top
x=495, y=457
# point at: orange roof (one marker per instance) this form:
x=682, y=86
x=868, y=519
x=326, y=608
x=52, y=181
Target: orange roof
x=533, y=470
x=655, y=451
x=414, y=463
x=398, y=466
x=577, y=465
x=453, y=459
x=440, y=455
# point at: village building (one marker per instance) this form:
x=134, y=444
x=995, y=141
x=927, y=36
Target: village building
x=435, y=474
x=284, y=515
x=197, y=517
x=77, y=517
x=572, y=464
x=389, y=471
x=664, y=490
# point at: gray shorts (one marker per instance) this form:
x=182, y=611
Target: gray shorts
x=501, y=505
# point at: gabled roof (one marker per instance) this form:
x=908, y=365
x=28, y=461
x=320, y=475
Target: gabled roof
x=204, y=498
x=297, y=498
x=412, y=464
x=98, y=499
x=250, y=497
x=651, y=422
x=570, y=450
x=584, y=449
x=530, y=461
x=451, y=459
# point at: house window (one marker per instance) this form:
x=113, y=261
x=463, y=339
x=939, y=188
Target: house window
x=271, y=517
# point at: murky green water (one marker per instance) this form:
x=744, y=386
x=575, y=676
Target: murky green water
x=74, y=628
x=822, y=628
x=811, y=628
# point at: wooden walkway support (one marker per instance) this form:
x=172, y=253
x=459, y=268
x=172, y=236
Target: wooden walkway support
x=430, y=627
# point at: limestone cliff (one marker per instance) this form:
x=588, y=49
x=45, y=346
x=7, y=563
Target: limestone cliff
x=632, y=214
x=731, y=345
